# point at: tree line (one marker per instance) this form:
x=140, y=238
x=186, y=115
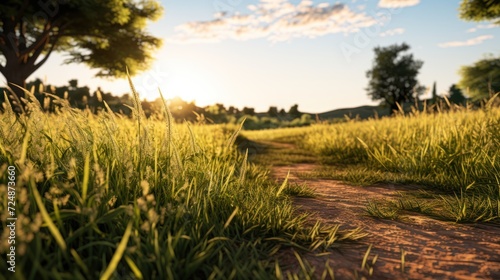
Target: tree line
x=81, y=97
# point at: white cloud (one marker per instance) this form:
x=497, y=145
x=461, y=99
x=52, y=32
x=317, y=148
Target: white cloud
x=392, y=32
x=470, y=42
x=474, y=29
x=276, y=20
x=397, y=3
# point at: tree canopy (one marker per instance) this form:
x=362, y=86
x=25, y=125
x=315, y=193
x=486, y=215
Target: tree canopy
x=479, y=10
x=393, y=77
x=107, y=35
x=482, y=78
x=294, y=111
x=273, y=111
x=456, y=96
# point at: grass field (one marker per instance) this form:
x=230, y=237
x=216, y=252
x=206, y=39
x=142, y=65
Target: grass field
x=109, y=197
x=452, y=155
x=104, y=196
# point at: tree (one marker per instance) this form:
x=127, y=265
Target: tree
x=456, y=96
x=481, y=79
x=107, y=35
x=273, y=112
x=248, y=111
x=393, y=77
x=232, y=110
x=217, y=113
x=434, y=92
x=282, y=113
x=294, y=112
x=479, y=10
x=73, y=83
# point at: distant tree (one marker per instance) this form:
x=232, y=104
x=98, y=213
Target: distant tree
x=481, y=79
x=221, y=108
x=273, y=111
x=248, y=111
x=294, y=112
x=217, y=113
x=110, y=98
x=36, y=85
x=456, y=96
x=232, y=110
x=282, y=113
x=107, y=35
x=73, y=83
x=480, y=10
x=183, y=111
x=434, y=93
x=393, y=77
x=78, y=96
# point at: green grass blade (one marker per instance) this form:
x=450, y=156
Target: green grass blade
x=231, y=217
x=86, y=174
x=46, y=217
x=118, y=253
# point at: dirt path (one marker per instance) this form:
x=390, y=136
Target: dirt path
x=434, y=249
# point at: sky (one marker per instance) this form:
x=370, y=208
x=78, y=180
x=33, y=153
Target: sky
x=262, y=53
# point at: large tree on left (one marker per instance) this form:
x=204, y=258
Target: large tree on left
x=107, y=35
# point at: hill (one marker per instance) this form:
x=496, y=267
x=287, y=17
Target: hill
x=362, y=112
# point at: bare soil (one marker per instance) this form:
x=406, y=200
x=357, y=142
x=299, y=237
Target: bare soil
x=434, y=249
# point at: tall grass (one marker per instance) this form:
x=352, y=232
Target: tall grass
x=455, y=151
x=105, y=196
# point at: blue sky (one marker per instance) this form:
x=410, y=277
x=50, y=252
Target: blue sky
x=279, y=53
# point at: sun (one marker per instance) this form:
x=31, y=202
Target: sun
x=184, y=80
x=191, y=87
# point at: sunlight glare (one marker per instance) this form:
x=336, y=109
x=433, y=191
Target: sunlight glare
x=191, y=87
x=184, y=80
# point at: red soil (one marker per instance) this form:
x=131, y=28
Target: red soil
x=434, y=249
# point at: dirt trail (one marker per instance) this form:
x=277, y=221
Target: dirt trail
x=434, y=249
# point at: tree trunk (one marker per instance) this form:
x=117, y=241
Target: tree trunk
x=15, y=79
x=22, y=60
